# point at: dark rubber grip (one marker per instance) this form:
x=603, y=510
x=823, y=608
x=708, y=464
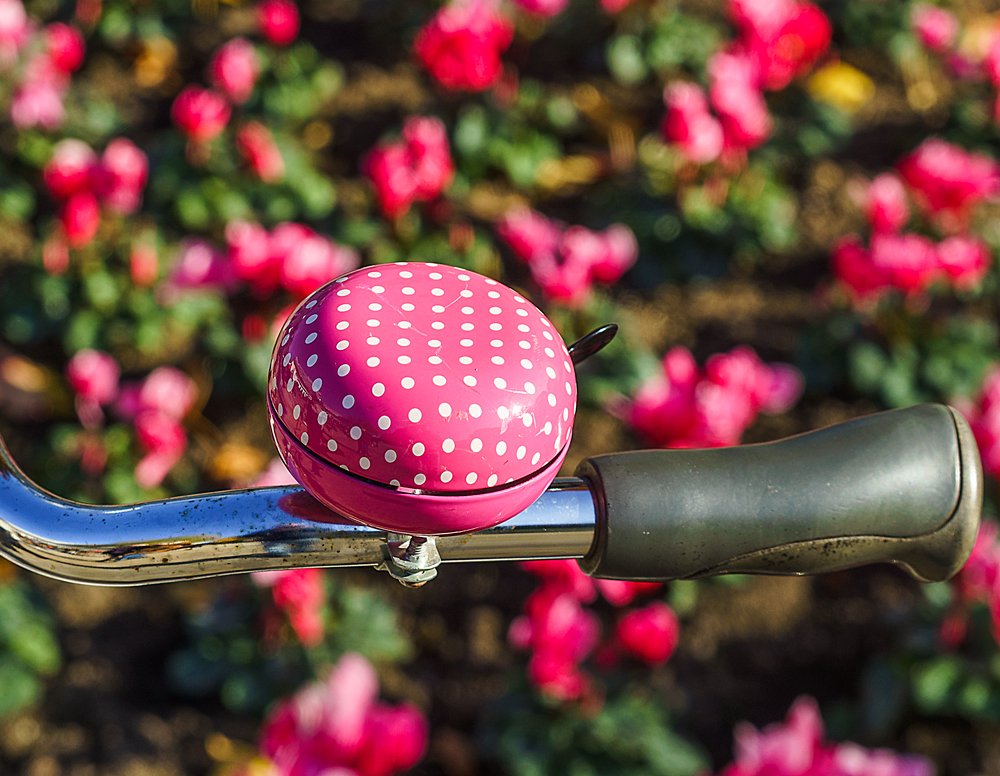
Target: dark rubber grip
x=903, y=486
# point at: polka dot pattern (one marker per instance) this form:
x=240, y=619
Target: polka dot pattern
x=393, y=374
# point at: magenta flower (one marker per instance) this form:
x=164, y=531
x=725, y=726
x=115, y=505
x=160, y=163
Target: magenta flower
x=93, y=376
x=886, y=206
x=164, y=442
x=251, y=258
x=200, y=266
x=690, y=125
x=547, y=8
x=233, y=70
x=38, y=102
x=80, y=217
x=461, y=46
x=122, y=175
x=965, y=260
x=64, y=46
x=936, y=27
x=735, y=93
x=649, y=634
x=278, y=21
x=71, y=169
x=199, y=113
x=14, y=30
x=308, y=260
x=257, y=147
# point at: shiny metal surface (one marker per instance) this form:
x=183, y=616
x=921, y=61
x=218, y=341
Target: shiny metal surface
x=247, y=530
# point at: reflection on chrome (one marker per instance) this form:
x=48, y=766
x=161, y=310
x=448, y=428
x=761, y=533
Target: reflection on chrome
x=247, y=530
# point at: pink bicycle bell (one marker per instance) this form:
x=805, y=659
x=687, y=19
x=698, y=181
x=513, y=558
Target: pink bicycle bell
x=421, y=399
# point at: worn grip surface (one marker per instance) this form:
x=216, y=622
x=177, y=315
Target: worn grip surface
x=903, y=486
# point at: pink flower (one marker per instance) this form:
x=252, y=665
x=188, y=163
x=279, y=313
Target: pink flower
x=936, y=27
x=256, y=145
x=169, y=392
x=948, y=182
x=529, y=234
x=251, y=257
x=620, y=251
x=909, y=262
x=278, y=21
x=545, y=8
x=233, y=70
x=301, y=594
x=852, y=266
x=80, y=216
x=122, y=175
x=307, y=260
x=965, y=260
x=200, y=265
x=462, y=44
x=680, y=408
x=417, y=168
x=563, y=575
x=14, y=30
x=736, y=95
x=71, y=168
x=615, y=6
x=649, y=634
x=274, y=474
x=93, y=375
x=886, y=207
x=620, y=592
x=689, y=124
x=164, y=441
x=64, y=46
x=984, y=418
x=339, y=728
x=200, y=114
x=38, y=103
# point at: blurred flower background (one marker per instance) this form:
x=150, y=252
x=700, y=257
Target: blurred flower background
x=791, y=208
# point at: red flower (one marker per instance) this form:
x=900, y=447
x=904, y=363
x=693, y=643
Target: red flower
x=784, y=37
x=256, y=145
x=233, y=69
x=886, y=206
x=71, y=168
x=546, y=8
x=80, y=216
x=251, y=258
x=64, y=46
x=649, y=634
x=278, y=21
x=736, y=95
x=965, y=260
x=689, y=123
x=908, y=261
x=122, y=175
x=200, y=114
x=462, y=44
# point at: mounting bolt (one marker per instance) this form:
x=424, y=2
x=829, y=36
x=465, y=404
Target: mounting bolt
x=411, y=560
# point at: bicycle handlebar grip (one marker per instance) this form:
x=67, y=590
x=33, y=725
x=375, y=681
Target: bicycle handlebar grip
x=904, y=486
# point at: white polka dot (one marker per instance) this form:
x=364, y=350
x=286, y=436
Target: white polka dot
x=465, y=292
x=468, y=326
x=496, y=326
x=343, y=345
x=343, y=369
x=434, y=343
x=535, y=457
x=503, y=412
x=437, y=325
x=322, y=418
x=550, y=372
x=477, y=445
x=464, y=277
x=317, y=384
x=524, y=344
x=446, y=476
x=311, y=305
x=355, y=432
x=384, y=422
x=438, y=308
x=285, y=340
x=444, y=409
x=465, y=360
x=466, y=343
x=291, y=382
x=418, y=449
x=311, y=361
x=348, y=402
x=406, y=382
x=475, y=410
x=287, y=360
x=497, y=359
x=378, y=389
x=304, y=438
x=364, y=463
x=419, y=479
x=344, y=467
x=494, y=295
x=406, y=274
x=490, y=281
x=438, y=380
x=390, y=456
x=569, y=389
x=404, y=359
x=415, y=415
x=408, y=307
x=565, y=415
x=340, y=326
x=448, y=445
x=499, y=382
x=394, y=483
x=373, y=322
x=374, y=307
x=566, y=366
x=434, y=360
x=523, y=313
x=343, y=308
x=521, y=452
x=552, y=400
x=372, y=340
x=496, y=310
x=437, y=291
x=547, y=335
x=492, y=480
x=378, y=290
x=467, y=311
x=529, y=388
x=311, y=338
x=375, y=275
x=332, y=445
x=496, y=343
x=518, y=298
x=312, y=318
x=526, y=418
x=526, y=363
x=281, y=410
x=549, y=353
x=343, y=292
x=403, y=342
x=469, y=380
x=471, y=478
x=523, y=327
x=372, y=361
x=548, y=428
x=297, y=411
